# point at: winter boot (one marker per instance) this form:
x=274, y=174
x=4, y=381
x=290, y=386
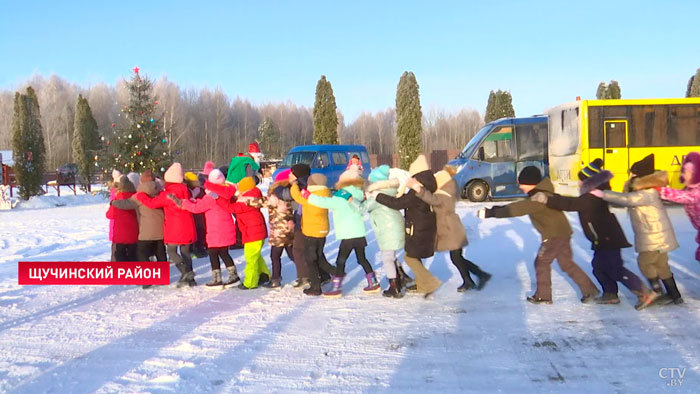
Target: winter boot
x=645, y=299
x=324, y=278
x=337, y=289
x=589, y=298
x=672, y=290
x=533, y=299
x=467, y=285
x=393, y=291
x=300, y=282
x=183, y=270
x=273, y=284
x=483, y=279
x=607, y=298
x=263, y=278
x=232, y=276
x=215, y=278
x=655, y=285
x=372, y=283
x=403, y=277
x=187, y=280
x=312, y=292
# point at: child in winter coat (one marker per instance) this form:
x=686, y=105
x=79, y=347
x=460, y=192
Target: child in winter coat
x=150, y=241
x=349, y=228
x=113, y=185
x=603, y=230
x=199, y=248
x=220, y=231
x=281, y=219
x=301, y=173
x=420, y=225
x=314, y=227
x=178, y=227
x=251, y=224
x=690, y=195
x=555, y=231
x=653, y=233
x=388, y=227
x=451, y=235
x=126, y=226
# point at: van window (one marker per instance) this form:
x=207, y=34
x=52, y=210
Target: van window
x=293, y=158
x=339, y=158
x=365, y=157
x=532, y=141
x=498, y=146
x=321, y=160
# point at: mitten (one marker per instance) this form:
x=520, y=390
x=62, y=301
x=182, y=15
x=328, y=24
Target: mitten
x=305, y=193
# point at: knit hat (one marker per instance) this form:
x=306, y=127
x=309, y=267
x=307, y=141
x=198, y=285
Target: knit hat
x=190, y=176
x=283, y=175
x=419, y=165
x=317, y=180
x=301, y=170
x=246, y=184
x=134, y=178
x=643, y=167
x=208, y=166
x=591, y=169
x=380, y=173
x=530, y=175
x=351, y=174
x=174, y=173
x=694, y=159
x=217, y=177
x=146, y=176
x=116, y=175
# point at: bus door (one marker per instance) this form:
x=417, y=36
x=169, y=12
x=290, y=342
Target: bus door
x=616, y=154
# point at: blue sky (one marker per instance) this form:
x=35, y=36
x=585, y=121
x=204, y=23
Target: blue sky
x=544, y=53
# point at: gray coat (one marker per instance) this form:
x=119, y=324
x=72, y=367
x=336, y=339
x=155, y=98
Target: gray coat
x=451, y=234
x=650, y=222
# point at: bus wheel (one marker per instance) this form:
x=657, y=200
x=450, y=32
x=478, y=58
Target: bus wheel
x=477, y=191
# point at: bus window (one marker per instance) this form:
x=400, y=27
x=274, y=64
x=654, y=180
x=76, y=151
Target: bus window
x=498, y=146
x=531, y=141
x=321, y=160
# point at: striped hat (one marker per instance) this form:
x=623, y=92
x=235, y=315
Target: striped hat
x=594, y=167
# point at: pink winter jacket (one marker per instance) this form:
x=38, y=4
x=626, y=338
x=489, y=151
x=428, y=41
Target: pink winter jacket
x=689, y=197
x=221, y=231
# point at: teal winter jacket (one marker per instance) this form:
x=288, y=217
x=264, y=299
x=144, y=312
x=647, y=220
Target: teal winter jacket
x=348, y=222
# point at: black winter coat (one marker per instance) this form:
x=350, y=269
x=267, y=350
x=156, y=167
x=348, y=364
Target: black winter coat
x=599, y=224
x=419, y=217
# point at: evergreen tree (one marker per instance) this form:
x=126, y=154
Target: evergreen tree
x=694, y=85
x=613, y=91
x=269, y=136
x=139, y=142
x=504, y=107
x=490, y=114
x=325, y=115
x=602, y=92
x=408, y=120
x=28, y=144
x=85, y=141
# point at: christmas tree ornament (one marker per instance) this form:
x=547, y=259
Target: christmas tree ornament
x=136, y=70
x=138, y=126
x=152, y=120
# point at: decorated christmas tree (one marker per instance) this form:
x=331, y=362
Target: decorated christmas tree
x=138, y=142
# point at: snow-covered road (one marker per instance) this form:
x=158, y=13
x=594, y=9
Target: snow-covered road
x=64, y=339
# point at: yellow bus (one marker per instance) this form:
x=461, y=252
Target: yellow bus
x=620, y=132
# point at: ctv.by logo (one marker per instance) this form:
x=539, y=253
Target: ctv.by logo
x=673, y=375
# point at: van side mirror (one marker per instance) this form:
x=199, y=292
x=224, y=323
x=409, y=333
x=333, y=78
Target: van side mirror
x=482, y=155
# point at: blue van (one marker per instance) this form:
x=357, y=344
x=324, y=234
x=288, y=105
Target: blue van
x=329, y=160
x=489, y=164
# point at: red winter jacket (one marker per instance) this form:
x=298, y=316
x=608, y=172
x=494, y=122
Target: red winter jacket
x=251, y=221
x=178, y=227
x=126, y=225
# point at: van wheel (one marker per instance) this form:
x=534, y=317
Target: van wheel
x=477, y=191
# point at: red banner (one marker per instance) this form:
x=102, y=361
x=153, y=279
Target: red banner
x=93, y=273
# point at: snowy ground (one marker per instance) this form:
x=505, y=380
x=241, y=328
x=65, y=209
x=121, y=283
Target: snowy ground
x=63, y=339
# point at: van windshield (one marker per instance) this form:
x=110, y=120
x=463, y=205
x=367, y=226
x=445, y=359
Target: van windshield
x=476, y=139
x=293, y=158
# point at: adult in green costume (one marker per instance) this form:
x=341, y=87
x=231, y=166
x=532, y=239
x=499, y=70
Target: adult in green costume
x=241, y=167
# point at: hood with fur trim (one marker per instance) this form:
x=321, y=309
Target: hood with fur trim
x=357, y=182
x=597, y=181
x=657, y=179
x=283, y=183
